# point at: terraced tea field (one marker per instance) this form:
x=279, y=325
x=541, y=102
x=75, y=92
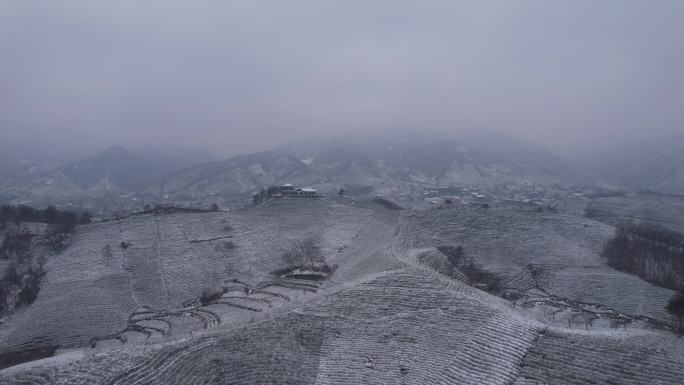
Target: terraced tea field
x=537, y=255
x=395, y=310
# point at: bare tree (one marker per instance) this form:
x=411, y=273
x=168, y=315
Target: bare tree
x=312, y=253
x=305, y=253
x=291, y=258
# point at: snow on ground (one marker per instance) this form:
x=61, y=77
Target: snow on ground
x=559, y=254
x=393, y=312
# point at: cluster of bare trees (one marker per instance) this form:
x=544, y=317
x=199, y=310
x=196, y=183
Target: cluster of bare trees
x=16, y=246
x=477, y=275
x=21, y=277
x=303, y=254
x=20, y=284
x=63, y=218
x=652, y=252
x=676, y=307
x=655, y=254
x=454, y=254
x=265, y=194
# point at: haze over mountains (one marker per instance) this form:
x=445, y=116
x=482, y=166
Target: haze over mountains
x=380, y=162
x=342, y=192
x=656, y=164
x=115, y=170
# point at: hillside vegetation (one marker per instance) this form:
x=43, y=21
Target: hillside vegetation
x=652, y=252
x=28, y=237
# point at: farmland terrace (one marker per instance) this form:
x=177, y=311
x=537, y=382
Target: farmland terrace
x=528, y=300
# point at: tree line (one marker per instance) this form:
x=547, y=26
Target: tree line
x=265, y=194
x=51, y=215
x=652, y=252
x=675, y=306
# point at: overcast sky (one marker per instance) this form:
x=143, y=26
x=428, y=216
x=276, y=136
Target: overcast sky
x=239, y=76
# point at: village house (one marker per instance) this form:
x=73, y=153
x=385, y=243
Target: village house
x=305, y=192
x=289, y=190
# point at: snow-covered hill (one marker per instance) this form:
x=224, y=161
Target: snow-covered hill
x=378, y=161
x=393, y=310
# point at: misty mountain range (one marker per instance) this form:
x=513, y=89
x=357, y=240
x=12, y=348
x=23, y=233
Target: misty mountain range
x=656, y=165
x=114, y=170
x=385, y=162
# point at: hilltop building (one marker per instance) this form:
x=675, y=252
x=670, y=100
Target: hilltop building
x=289, y=190
x=305, y=192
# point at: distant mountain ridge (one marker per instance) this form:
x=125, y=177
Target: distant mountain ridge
x=382, y=162
x=115, y=170
x=238, y=175
x=655, y=165
x=482, y=158
x=379, y=161
x=116, y=165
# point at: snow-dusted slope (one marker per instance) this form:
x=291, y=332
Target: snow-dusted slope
x=388, y=315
